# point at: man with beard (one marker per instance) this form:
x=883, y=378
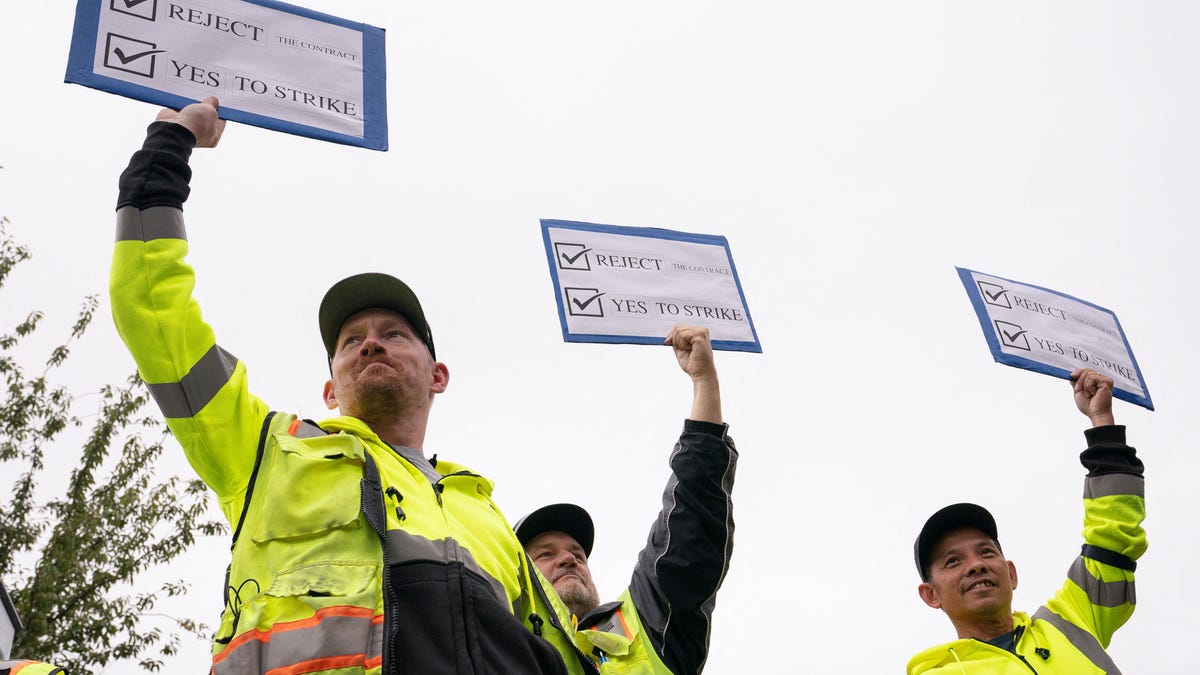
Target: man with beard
x=964, y=572
x=662, y=621
x=352, y=552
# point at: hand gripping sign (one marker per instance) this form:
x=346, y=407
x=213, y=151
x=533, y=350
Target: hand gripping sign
x=272, y=65
x=1053, y=333
x=633, y=284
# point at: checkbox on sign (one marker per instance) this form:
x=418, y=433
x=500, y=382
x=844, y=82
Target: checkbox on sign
x=584, y=301
x=994, y=294
x=130, y=55
x=142, y=9
x=1012, y=335
x=572, y=256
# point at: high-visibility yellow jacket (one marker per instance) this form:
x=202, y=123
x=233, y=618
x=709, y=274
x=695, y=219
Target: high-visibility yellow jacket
x=1069, y=634
x=348, y=557
x=29, y=668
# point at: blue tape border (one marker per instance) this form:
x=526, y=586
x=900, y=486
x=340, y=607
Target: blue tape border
x=375, y=130
x=653, y=233
x=1000, y=356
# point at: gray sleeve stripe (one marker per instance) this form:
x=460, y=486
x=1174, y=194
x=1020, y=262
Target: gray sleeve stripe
x=1101, y=593
x=1080, y=639
x=156, y=222
x=188, y=396
x=1114, y=484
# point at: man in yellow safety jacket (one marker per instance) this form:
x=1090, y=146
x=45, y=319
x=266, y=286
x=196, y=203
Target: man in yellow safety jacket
x=964, y=572
x=661, y=623
x=352, y=552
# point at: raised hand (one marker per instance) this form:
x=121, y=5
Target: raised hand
x=200, y=119
x=1093, y=395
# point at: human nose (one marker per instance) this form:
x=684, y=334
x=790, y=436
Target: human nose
x=370, y=345
x=976, y=566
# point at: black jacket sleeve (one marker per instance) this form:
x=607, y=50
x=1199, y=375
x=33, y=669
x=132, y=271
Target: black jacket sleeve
x=675, y=582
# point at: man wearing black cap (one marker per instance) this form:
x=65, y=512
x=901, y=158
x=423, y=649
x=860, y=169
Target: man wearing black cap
x=352, y=553
x=661, y=623
x=964, y=572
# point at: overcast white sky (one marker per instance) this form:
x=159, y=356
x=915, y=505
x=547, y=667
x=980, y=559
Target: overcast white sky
x=852, y=152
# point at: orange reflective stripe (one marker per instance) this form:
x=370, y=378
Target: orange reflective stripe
x=317, y=665
x=293, y=427
x=334, y=637
x=624, y=626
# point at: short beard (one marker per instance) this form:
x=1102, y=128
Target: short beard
x=387, y=398
x=579, y=599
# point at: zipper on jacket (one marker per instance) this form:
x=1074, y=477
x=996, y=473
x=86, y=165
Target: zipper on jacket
x=371, y=484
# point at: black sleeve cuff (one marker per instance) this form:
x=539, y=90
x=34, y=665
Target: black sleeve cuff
x=718, y=430
x=1107, y=452
x=158, y=174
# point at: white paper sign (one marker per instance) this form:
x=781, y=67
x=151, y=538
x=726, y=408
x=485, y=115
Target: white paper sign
x=633, y=284
x=271, y=64
x=1053, y=333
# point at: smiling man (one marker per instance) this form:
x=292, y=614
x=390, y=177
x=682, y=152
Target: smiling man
x=964, y=572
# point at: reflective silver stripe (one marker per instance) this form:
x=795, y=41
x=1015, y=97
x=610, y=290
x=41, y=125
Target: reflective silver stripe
x=1101, y=593
x=188, y=396
x=157, y=222
x=1114, y=484
x=306, y=430
x=333, y=636
x=375, y=645
x=405, y=547
x=1080, y=639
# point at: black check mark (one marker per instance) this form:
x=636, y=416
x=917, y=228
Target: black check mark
x=129, y=4
x=583, y=305
x=991, y=296
x=1012, y=337
x=133, y=57
x=572, y=258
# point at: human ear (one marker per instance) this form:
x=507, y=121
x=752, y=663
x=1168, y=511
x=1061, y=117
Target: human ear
x=440, y=379
x=930, y=595
x=328, y=395
x=1012, y=572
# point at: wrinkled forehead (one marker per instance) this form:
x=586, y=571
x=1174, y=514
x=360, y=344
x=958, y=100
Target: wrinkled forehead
x=553, y=540
x=372, y=315
x=961, y=537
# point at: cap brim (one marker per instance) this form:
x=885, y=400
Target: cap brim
x=950, y=518
x=367, y=291
x=569, y=518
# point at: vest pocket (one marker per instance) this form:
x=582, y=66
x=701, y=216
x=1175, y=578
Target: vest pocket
x=312, y=487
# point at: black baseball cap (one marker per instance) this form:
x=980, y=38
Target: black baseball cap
x=950, y=518
x=366, y=291
x=569, y=518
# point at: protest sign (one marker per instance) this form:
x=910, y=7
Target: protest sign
x=632, y=284
x=270, y=64
x=1053, y=333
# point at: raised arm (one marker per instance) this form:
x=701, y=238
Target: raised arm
x=687, y=554
x=199, y=387
x=1098, y=596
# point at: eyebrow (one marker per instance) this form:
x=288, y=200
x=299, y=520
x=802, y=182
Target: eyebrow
x=957, y=550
